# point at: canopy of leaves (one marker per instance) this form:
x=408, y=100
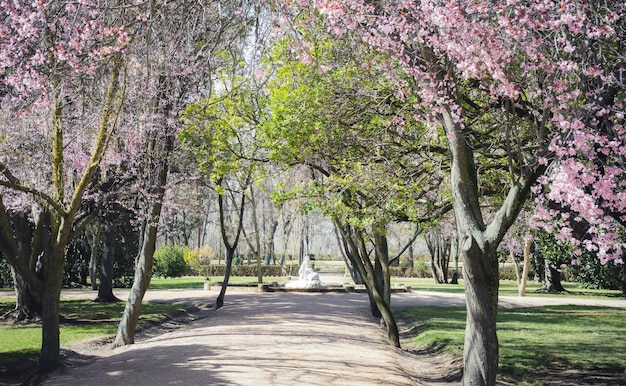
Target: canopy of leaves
x=333, y=110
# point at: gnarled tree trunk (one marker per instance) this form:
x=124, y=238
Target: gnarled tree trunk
x=378, y=287
x=552, y=279
x=478, y=245
x=107, y=261
x=439, y=249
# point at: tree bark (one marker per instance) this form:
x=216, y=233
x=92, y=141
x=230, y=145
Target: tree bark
x=439, y=249
x=359, y=257
x=143, y=273
x=22, y=238
x=454, y=252
x=478, y=244
x=109, y=250
x=27, y=301
x=552, y=282
x=158, y=151
x=219, y=302
x=50, y=354
x=524, y=279
x=480, y=350
x=96, y=246
x=231, y=247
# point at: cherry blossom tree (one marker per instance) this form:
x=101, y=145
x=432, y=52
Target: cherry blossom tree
x=514, y=86
x=61, y=75
x=175, y=61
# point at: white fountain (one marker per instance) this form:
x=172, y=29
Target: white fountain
x=307, y=277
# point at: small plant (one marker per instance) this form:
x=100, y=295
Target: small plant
x=169, y=261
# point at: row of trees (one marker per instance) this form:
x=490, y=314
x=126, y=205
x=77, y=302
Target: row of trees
x=368, y=113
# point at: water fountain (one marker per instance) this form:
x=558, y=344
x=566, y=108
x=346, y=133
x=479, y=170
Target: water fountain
x=307, y=277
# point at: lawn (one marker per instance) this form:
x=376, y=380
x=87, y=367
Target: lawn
x=532, y=340
x=83, y=319
x=197, y=282
x=507, y=288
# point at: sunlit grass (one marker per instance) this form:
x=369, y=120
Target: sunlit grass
x=507, y=288
x=538, y=338
x=84, y=319
x=197, y=282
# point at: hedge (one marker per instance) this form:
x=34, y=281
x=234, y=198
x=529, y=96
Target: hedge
x=247, y=270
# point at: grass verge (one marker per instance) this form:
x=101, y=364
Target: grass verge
x=507, y=288
x=197, y=282
x=82, y=319
x=534, y=340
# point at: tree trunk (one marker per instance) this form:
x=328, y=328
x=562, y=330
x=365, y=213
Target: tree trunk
x=143, y=273
x=230, y=247
x=378, y=283
x=552, y=282
x=480, y=350
x=93, y=257
x=22, y=240
x=478, y=244
x=382, y=255
x=158, y=151
x=454, y=252
x=27, y=301
x=518, y=276
x=359, y=257
x=439, y=249
x=105, y=290
x=50, y=354
x=230, y=253
x=524, y=280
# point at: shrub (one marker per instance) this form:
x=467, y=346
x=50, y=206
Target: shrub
x=245, y=270
x=169, y=261
x=199, y=259
x=6, y=278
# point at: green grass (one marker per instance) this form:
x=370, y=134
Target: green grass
x=197, y=282
x=85, y=320
x=538, y=338
x=186, y=282
x=507, y=288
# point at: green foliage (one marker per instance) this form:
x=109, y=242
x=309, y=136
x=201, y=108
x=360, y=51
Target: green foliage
x=6, y=279
x=246, y=270
x=341, y=115
x=169, y=261
x=199, y=259
x=552, y=250
x=588, y=270
x=591, y=273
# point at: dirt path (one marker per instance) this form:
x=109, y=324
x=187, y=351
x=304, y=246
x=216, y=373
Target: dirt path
x=262, y=339
x=275, y=339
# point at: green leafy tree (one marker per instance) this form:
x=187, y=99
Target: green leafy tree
x=221, y=134
x=337, y=118
x=169, y=261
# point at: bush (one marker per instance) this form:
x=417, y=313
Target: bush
x=199, y=259
x=169, y=261
x=6, y=278
x=245, y=270
x=591, y=273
